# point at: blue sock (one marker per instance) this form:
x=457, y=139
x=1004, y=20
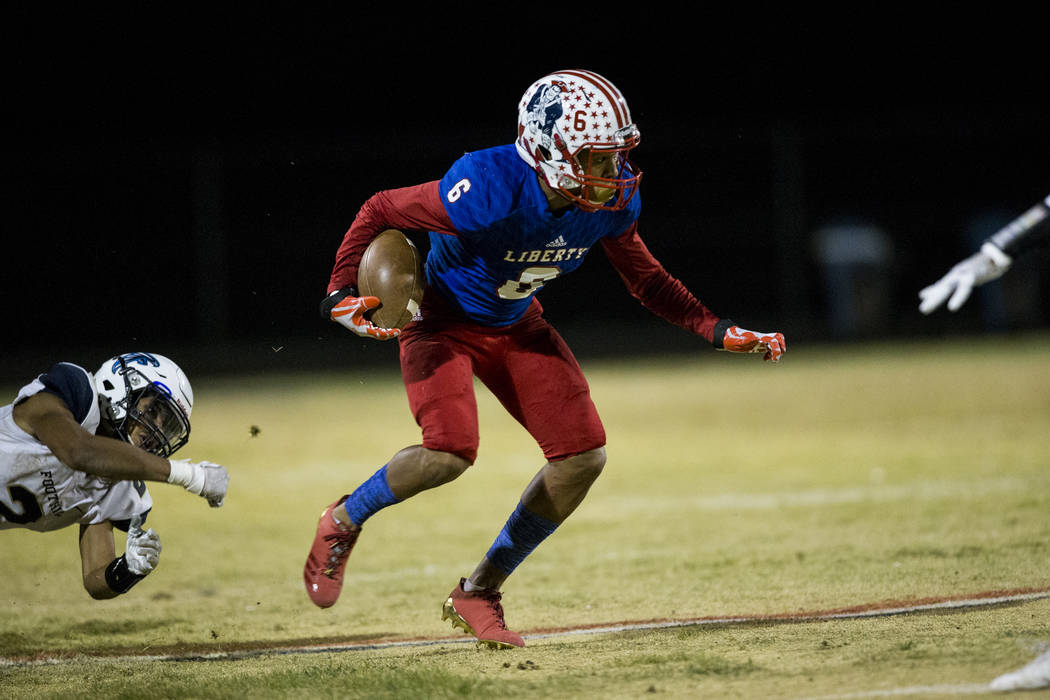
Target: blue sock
x=523, y=533
x=369, y=498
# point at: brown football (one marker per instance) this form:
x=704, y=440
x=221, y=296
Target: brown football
x=392, y=270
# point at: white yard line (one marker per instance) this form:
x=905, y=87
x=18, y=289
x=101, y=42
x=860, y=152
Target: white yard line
x=978, y=600
x=942, y=690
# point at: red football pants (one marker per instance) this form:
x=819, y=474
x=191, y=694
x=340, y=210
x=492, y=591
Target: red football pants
x=527, y=366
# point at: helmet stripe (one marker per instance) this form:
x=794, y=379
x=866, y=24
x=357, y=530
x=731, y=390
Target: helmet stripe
x=612, y=94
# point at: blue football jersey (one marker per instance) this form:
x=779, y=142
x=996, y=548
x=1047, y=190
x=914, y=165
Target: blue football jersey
x=509, y=243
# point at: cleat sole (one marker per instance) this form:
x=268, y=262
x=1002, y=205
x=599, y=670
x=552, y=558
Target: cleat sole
x=448, y=612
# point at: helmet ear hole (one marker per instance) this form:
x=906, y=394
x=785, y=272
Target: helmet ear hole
x=107, y=384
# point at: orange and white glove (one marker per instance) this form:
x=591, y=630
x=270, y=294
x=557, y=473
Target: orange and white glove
x=738, y=339
x=348, y=310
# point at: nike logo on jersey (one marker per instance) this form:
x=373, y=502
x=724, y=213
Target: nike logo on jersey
x=557, y=242
x=548, y=255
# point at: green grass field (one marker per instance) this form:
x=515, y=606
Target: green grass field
x=845, y=476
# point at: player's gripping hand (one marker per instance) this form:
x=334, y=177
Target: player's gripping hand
x=206, y=479
x=348, y=310
x=738, y=339
x=142, y=551
x=987, y=264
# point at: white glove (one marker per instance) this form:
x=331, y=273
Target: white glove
x=206, y=479
x=984, y=266
x=142, y=551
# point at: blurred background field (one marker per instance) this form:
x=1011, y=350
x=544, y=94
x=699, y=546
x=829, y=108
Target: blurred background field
x=843, y=476
x=800, y=174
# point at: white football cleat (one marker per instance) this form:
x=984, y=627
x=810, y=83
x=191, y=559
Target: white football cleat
x=1034, y=675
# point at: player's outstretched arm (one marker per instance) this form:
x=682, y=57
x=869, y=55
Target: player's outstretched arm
x=47, y=418
x=348, y=310
x=107, y=575
x=737, y=339
x=990, y=262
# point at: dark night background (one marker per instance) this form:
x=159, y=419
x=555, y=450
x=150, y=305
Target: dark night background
x=180, y=183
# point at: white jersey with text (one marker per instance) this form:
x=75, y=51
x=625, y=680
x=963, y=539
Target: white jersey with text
x=39, y=492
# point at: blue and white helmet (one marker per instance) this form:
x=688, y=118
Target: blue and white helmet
x=566, y=116
x=146, y=400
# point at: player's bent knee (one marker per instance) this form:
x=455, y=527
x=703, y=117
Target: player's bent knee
x=443, y=467
x=462, y=447
x=587, y=466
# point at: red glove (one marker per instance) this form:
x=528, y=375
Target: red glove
x=739, y=340
x=349, y=311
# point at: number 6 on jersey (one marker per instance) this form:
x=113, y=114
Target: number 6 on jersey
x=528, y=282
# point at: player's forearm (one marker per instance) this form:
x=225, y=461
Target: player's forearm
x=669, y=299
x=655, y=288
x=1030, y=229
x=96, y=586
x=113, y=459
x=97, y=551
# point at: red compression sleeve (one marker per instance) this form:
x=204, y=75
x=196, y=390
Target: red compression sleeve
x=654, y=287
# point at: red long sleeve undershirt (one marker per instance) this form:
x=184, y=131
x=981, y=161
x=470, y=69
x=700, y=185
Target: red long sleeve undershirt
x=419, y=208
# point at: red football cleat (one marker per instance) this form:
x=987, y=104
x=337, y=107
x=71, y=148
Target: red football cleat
x=323, y=573
x=480, y=614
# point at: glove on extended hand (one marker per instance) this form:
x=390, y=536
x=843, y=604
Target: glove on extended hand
x=983, y=266
x=348, y=310
x=738, y=339
x=142, y=550
x=206, y=479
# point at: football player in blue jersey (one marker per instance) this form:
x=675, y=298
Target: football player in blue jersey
x=77, y=447
x=503, y=222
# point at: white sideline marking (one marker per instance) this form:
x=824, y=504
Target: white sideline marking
x=964, y=689
x=801, y=617
x=608, y=629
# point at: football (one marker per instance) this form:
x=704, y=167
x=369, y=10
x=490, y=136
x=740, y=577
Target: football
x=392, y=270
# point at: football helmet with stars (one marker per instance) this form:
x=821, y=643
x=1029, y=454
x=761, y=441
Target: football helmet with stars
x=575, y=130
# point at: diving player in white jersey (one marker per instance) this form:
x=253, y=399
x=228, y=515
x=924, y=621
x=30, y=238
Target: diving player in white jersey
x=77, y=447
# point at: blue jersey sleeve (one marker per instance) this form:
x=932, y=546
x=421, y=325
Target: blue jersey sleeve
x=72, y=384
